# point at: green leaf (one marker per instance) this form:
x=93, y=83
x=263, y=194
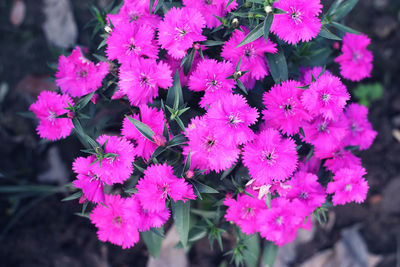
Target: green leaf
x=229, y=2
x=267, y=25
x=278, y=66
x=251, y=252
x=175, y=96
x=188, y=62
x=10, y=189
x=241, y=86
x=186, y=167
x=142, y=128
x=151, y=6
x=177, y=140
x=181, y=215
x=196, y=234
x=84, y=101
x=153, y=242
x=74, y=196
x=344, y=28
x=301, y=131
x=324, y=32
x=269, y=254
x=204, y=188
x=344, y=9
x=212, y=43
x=256, y=33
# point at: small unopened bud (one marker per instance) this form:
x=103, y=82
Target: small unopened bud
x=70, y=114
x=235, y=23
x=159, y=140
x=196, y=46
x=82, y=199
x=189, y=174
x=94, y=98
x=268, y=9
x=336, y=45
x=237, y=74
x=98, y=150
x=107, y=29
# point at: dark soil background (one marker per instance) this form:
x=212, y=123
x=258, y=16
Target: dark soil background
x=45, y=232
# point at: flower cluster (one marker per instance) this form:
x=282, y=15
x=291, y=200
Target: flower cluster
x=292, y=140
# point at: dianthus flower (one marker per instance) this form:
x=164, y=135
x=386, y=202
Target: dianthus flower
x=117, y=220
x=141, y=79
x=211, y=76
x=135, y=12
x=88, y=180
x=270, y=157
x=299, y=23
x=284, y=108
x=150, y=219
x=47, y=107
x=233, y=116
x=180, y=28
x=281, y=221
x=348, y=185
x=158, y=183
x=342, y=159
x=307, y=74
x=360, y=129
x=175, y=65
x=252, y=55
x=312, y=165
x=78, y=76
x=211, y=8
x=244, y=211
x=116, y=168
x=208, y=151
x=129, y=41
x=325, y=135
x=356, y=61
x=305, y=188
x=326, y=96
x=153, y=119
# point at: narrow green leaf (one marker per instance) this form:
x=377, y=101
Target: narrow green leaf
x=186, y=167
x=332, y=9
x=241, y=86
x=344, y=9
x=153, y=242
x=84, y=101
x=151, y=6
x=142, y=128
x=278, y=66
x=229, y=2
x=175, y=96
x=212, y=43
x=177, y=140
x=267, y=25
x=301, y=131
x=324, y=32
x=344, y=28
x=204, y=188
x=189, y=62
x=256, y=33
x=269, y=254
x=181, y=215
x=74, y=196
x=251, y=253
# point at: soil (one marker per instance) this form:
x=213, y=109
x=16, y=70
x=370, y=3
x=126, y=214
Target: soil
x=49, y=234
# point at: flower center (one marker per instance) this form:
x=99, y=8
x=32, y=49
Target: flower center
x=52, y=116
x=134, y=16
x=209, y=2
x=145, y=80
x=269, y=156
x=247, y=212
x=322, y=127
x=164, y=189
x=325, y=97
x=288, y=107
x=117, y=221
x=303, y=195
x=296, y=15
x=279, y=220
x=82, y=73
x=213, y=84
x=132, y=47
x=234, y=119
x=348, y=187
x=209, y=143
x=249, y=51
x=180, y=34
x=357, y=56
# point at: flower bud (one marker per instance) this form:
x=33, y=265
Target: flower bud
x=94, y=98
x=107, y=29
x=196, y=46
x=82, y=199
x=189, y=174
x=237, y=74
x=268, y=9
x=159, y=140
x=336, y=45
x=235, y=23
x=70, y=114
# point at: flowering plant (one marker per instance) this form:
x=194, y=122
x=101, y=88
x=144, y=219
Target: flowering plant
x=212, y=113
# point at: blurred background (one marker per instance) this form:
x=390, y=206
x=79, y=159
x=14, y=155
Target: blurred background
x=37, y=229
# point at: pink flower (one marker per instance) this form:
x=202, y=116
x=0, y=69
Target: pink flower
x=244, y=211
x=180, y=28
x=299, y=23
x=312, y=165
x=116, y=168
x=252, y=54
x=306, y=189
x=233, y=116
x=77, y=75
x=175, y=64
x=150, y=219
x=325, y=135
x=135, y=12
x=284, y=108
x=327, y=96
x=356, y=61
x=360, y=129
x=342, y=159
x=158, y=183
x=348, y=185
x=141, y=79
x=306, y=74
x=153, y=119
x=48, y=106
x=270, y=157
x=211, y=8
x=117, y=221
x=280, y=223
x=211, y=76
x=129, y=41
x=208, y=151
x=88, y=180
